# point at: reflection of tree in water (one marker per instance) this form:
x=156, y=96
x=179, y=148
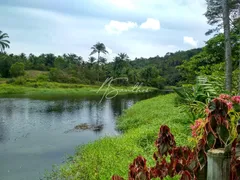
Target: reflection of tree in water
x=122, y=102
x=95, y=111
x=3, y=132
x=64, y=105
x=6, y=113
x=91, y=111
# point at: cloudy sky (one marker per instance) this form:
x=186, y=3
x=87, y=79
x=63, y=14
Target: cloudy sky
x=140, y=28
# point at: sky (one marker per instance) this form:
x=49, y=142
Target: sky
x=140, y=28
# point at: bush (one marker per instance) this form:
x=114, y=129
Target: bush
x=43, y=77
x=17, y=69
x=10, y=81
x=57, y=75
x=20, y=81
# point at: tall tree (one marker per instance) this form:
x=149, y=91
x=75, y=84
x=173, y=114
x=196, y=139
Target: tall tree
x=228, y=53
x=220, y=13
x=120, y=62
x=98, y=48
x=4, y=43
x=123, y=56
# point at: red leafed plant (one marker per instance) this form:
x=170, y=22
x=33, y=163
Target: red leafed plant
x=235, y=161
x=165, y=142
x=218, y=130
x=183, y=161
x=138, y=169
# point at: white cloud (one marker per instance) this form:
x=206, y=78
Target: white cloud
x=151, y=23
x=117, y=27
x=190, y=40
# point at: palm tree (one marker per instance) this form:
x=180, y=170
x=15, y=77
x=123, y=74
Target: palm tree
x=102, y=60
x=92, y=59
x=3, y=42
x=123, y=56
x=98, y=48
x=120, y=62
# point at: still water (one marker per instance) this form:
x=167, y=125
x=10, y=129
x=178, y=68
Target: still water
x=35, y=134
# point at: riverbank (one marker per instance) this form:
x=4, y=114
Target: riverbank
x=45, y=90
x=112, y=155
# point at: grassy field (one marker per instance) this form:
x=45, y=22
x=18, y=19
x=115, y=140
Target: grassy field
x=43, y=90
x=112, y=155
x=34, y=85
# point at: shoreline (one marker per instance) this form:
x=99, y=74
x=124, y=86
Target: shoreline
x=139, y=126
x=62, y=90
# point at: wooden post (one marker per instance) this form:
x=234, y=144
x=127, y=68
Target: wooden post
x=218, y=167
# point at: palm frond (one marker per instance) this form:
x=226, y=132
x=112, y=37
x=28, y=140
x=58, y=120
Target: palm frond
x=99, y=47
x=4, y=43
x=93, y=52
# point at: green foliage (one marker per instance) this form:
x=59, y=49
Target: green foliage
x=17, y=69
x=70, y=68
x=20, y=81
x=194, y=98
x=58, y=75
x=177, y=177
x=211, y=60
x=42, y=77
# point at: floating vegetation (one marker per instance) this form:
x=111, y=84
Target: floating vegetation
x=85, y=126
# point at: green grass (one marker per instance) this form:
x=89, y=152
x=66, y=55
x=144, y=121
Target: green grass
x=42, y=90
x=103, y=158
x=35, y=84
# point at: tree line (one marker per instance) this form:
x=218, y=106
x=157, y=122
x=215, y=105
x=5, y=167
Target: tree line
x=71, y=68
x=219, y=57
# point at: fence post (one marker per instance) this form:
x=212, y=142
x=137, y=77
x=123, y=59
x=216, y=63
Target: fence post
x=218, y=165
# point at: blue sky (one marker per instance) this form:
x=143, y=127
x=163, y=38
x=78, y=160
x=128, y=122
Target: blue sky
x=140, y=28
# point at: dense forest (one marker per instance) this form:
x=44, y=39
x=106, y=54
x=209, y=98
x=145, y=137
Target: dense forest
x=70, y=68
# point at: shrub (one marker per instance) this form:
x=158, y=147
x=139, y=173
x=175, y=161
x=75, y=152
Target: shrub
x=43, y=77
x=20, y=81
x=17, y=69
x=57, y=75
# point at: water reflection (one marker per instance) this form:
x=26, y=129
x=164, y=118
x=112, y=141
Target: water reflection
x=32, y=134
x=3, y=132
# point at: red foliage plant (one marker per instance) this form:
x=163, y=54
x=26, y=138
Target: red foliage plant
x=183, y=161
x=187, y=162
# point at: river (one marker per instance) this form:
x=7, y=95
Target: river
x=35, y=134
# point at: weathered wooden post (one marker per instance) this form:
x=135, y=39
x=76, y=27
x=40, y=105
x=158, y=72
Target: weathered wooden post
x=218, y=166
